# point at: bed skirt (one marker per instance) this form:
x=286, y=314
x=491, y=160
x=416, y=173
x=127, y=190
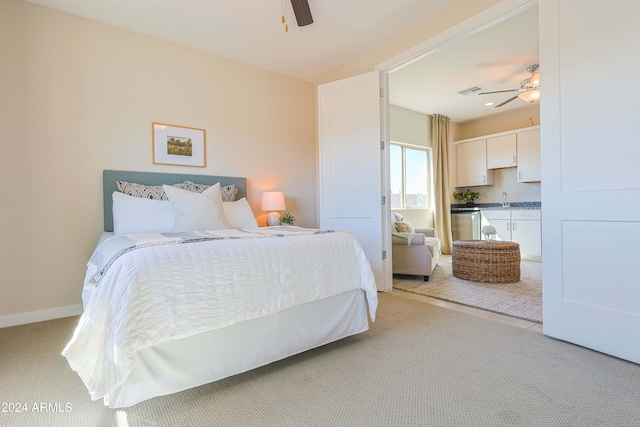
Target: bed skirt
x=189, y=362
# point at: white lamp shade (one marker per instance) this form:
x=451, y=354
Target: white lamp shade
x=273, y=201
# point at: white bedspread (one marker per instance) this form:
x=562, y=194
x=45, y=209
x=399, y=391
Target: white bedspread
x=164, y=292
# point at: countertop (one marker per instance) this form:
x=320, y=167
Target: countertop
x=463, y=207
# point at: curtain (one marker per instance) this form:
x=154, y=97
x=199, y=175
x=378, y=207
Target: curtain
x=442, y=214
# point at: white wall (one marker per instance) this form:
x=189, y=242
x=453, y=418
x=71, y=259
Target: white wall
x=80, y=97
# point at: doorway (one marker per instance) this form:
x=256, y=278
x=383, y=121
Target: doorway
x=447, y=78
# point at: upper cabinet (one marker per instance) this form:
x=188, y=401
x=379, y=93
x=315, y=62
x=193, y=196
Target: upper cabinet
x=471, y=162
x=501, y=151
x=529, y=156
x=477, y=157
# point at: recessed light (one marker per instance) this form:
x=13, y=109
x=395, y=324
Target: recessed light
x=489, y=104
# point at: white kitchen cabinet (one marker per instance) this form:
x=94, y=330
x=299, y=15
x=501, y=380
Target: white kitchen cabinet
x=500, y=220
x=471, y=162
x=476, y=158
x=501, y=151
x=526, y=229
x=529, y=156
x=517, y=225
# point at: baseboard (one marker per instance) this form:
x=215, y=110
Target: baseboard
x=40, y=315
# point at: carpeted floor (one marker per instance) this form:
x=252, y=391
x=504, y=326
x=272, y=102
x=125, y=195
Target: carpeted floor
x=522, y=299
x=418, y=365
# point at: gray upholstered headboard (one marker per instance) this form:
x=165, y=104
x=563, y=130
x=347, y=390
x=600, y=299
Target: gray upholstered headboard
x=110, y=177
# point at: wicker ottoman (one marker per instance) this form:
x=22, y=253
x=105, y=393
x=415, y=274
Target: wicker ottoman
x=488, y=262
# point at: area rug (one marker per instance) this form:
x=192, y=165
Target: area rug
x=522, y=299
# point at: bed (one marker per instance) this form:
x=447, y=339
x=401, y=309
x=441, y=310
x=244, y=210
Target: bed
x=168, y=310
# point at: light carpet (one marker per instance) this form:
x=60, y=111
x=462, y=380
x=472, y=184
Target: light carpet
x=418, y=365
x=522, y=299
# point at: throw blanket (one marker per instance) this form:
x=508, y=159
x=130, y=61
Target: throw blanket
x=159, y=288
x=407, y=236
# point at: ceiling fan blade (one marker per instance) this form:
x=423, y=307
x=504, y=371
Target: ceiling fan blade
x=498, y=91
x=302, y=11
x=506, y=102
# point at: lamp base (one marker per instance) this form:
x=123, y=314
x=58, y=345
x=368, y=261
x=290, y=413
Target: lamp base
x=273, y=219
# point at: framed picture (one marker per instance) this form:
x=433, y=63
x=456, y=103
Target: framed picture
x=179, y=145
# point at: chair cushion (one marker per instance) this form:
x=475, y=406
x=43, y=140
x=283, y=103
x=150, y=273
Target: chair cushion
x=433, y=244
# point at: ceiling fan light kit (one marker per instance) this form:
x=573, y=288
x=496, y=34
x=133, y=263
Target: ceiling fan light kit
x=530, y=96
x=529, y=88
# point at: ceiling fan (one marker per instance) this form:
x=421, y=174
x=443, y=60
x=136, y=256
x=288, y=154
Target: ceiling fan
x=302, y=12
x=529, y=88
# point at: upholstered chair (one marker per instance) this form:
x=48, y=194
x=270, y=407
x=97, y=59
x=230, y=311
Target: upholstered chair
x=415, y=251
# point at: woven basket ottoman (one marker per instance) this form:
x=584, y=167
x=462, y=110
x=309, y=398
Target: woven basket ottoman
x=488, y=262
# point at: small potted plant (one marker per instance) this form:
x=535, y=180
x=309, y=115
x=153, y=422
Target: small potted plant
x=466, y=196
x=287, y=218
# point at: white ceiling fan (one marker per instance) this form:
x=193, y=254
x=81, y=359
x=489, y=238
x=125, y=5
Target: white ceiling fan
x=529, y=88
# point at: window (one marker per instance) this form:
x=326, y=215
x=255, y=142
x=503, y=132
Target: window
x=410, y=175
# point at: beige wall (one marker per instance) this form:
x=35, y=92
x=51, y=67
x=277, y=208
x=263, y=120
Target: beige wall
x=82, y=97
x=528, y=115
x=15, y=177
x=411, y=127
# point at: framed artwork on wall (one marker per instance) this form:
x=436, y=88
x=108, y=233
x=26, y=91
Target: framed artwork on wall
x=178, y=145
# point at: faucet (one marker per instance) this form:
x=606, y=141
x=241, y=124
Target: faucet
x=505, y=204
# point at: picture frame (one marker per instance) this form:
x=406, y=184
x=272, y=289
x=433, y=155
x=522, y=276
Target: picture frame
x=178, y=145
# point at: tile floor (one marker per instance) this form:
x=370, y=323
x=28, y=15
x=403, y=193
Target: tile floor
x=525, y=324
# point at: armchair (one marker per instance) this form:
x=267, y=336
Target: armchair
x=415, y=252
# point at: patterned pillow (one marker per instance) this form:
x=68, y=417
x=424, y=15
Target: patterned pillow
x=196, y=188
x=228, y=193
x=404, y=227
x=156, y=192
x=152, y=192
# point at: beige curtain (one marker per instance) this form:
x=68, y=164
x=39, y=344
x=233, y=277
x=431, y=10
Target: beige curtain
x=442, y=215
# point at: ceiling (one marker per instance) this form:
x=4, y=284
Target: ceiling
x=495, y=58
x=250, y=32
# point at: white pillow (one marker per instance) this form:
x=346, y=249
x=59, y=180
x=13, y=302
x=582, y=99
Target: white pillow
x=239, y=214
x=197, y=211
x=136, y=215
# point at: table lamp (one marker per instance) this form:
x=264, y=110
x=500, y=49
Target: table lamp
x=273, y=201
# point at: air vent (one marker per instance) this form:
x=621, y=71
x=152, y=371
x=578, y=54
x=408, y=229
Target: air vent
x=472, y=90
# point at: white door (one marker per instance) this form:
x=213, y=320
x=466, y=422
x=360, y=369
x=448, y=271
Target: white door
x=590, y=144
x=350, y=165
